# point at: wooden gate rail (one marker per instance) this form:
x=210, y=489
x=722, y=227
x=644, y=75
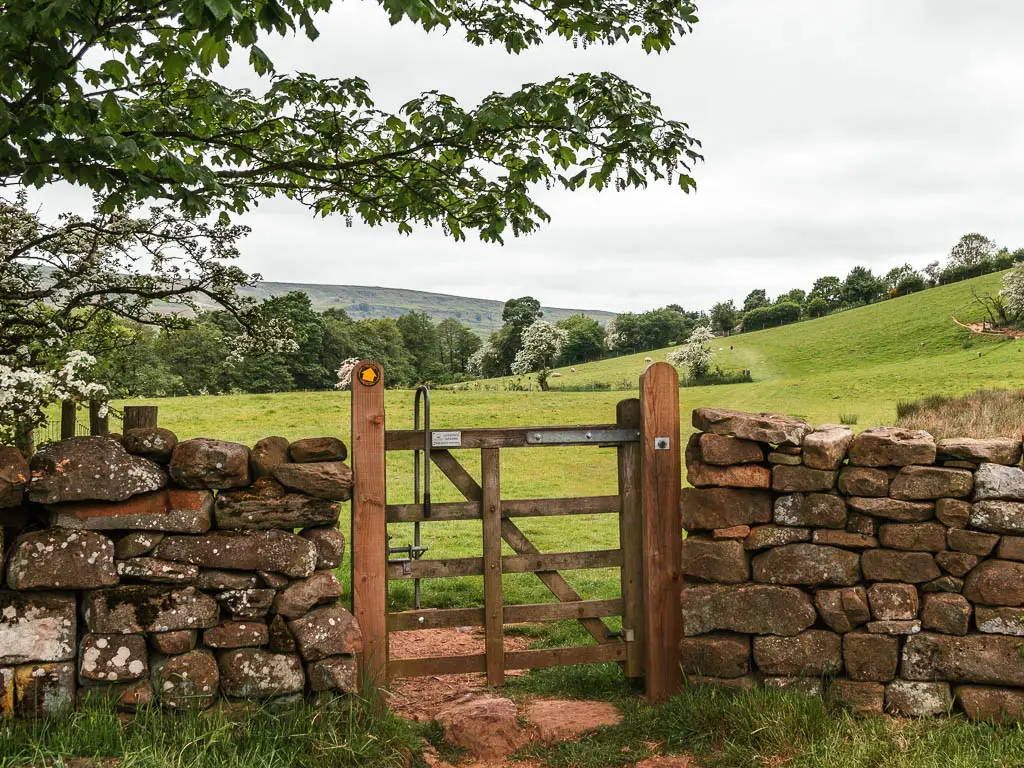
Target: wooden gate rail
x=647, y=556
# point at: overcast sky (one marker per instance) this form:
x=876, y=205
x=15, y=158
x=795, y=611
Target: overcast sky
x=834, y=134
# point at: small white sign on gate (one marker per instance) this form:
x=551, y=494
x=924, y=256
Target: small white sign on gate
x=446, y=439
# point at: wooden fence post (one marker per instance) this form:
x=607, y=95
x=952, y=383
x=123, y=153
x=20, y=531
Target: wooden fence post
x=136, y=416
x=662, y=529
x=369, y=525
x=490, y=507
x=630, y=539
x=98, y=425
x=68, y=417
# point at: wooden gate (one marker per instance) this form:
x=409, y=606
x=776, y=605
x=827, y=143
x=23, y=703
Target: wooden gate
x=646, y=438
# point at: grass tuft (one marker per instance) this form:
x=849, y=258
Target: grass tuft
x=848, y=418
x=980, y=414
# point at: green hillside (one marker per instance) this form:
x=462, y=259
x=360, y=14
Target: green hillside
x=367, y=302
x=860, y=362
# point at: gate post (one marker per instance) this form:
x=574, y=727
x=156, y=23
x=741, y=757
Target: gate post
x=662, y=533
x=631, y=539
x=369, y=525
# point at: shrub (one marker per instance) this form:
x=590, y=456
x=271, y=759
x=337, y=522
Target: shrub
x=770, y=317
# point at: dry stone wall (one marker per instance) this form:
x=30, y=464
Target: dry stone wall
x=884, y=569
x=148, y=570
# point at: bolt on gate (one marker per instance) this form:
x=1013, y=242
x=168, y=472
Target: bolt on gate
x=646, y=438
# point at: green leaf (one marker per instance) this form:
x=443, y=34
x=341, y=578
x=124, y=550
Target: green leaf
x=219, y=8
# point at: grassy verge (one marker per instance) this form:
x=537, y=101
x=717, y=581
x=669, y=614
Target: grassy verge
x=982, y=414
x=340, y=734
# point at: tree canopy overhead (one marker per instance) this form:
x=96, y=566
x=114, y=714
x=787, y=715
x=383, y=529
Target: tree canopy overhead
x=121, y=96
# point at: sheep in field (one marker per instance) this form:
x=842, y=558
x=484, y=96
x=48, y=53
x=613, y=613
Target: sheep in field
x=648, y=360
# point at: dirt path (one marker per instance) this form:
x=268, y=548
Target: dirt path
x=983, y=329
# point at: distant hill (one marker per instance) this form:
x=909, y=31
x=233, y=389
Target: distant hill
x=365, y=302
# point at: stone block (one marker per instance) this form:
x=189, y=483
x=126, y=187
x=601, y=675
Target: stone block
x=330, y=545
x=125, y=697
x=807, y=564
x=996, y=582
x=718, y=561
x=999, y=621
x=844, y=539
x=725, y=451
x=893, y=509
x=112, y=658
x=237, y=634
x=910, y=567
x=764, y=536
x=725, y=656
x=337, y=673
x=14, y=476
x=210, y=464
x=746, y=608
x=989, y=704
x=37, y=627
x=826, y=446
x=946, y=613
x=997, y=450
x=136, y=544
x=268, y=453
x=44, y=690
x=973, y=658
x=736, y=533
x=995, y=481
x=173, y=643
x=317, y=449
x=272, y=550
x=998, y=516
x=916, y=483
x=267, y=504
x=953, y=513
x=972, y=542
x=918, y=699
x=862, y=524
x=863, y=481
x=892, y=447
x=710, y=508
x=188, y=681
x=323, y=587
x=915, y=537
x=789, y=459
x=773, y=428
x=843, y=610
x=132, y=610
x=326, y=631
x=944, y=584
x=893, y=602
x=956, y=563
x=91, y=467
x=894, y=627
x=1011, y=548
x=701, y=475
x=870, y=657
x=814, y=510
x=213, y=580
x=152, y=570
x=172, y=511
x=246, y=603
x=326, y=480
x=802, y=479
x=61, y=559
x=154, y=443
x=815, y=652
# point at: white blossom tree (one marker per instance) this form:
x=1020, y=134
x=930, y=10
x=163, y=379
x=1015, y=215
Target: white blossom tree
x=1012, y=293
x=542, y=342
x=695, y=356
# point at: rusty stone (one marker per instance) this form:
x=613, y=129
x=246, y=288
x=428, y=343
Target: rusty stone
x=268, y=453
x=247, y=603
x=237, y=634
x=911, y=567
x=843, y=610
x=996, y=582
x=719, y=561
x=832, y=538
x=807, y=564
x=999, y=621
x=892, y=447
x=746, y=608
x=862, y=524
x=772, y=428
x=973, y=658
x=972, y=542
x=956, y=563
x=998, y=516
x=112, y=658
x=826, y=446
x=997, y=450
x=154, y=443
x=213, y=580
x=918, y=699
x=725, y=451
x=330, y=480
x=187, y=681
x=337, y=673
x=322, y=587
x=317, y=449
x=946, y=613
x=91, y=467
x=953, y=513
x=736, y=533
x=863, y=481
x=37, y=627
x=893, y=602
x=173, y=510
x=982, y=702
x=764, y=536
x=894, y=627
x=152, y=570
x=173, y=643
x=136, y=609
x=915, y=537
x=944, y=584
x=330, y=545
x=326, y=631
x=271, y=550
x=917, y=483
x=710, y=508
x=815, y=510
x=701, y=475
x=860, y=698
x=802, y=479
x=870, y=657
x=210, y=464
x=136, y=544
x=893, y=509
x=814, y=652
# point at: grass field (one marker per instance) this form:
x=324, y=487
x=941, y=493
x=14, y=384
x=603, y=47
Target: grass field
x=857, y=364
